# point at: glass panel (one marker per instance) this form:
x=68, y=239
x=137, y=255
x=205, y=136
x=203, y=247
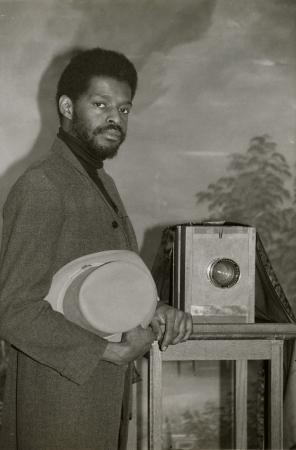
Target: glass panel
x=197, y=405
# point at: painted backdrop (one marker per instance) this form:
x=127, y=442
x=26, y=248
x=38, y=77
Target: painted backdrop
x=212, y=133
x=213, y=75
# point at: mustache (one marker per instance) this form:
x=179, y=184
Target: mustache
x=113, y=126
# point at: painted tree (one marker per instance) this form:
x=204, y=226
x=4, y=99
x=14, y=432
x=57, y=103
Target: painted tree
x=283, y=252
x=255, y=192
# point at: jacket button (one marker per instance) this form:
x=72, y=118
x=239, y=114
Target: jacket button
x=114, y=224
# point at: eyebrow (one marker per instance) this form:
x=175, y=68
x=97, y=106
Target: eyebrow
x=107, y=97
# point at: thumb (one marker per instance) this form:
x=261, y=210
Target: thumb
x=156, y=327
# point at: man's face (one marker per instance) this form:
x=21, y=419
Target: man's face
x=100, y=115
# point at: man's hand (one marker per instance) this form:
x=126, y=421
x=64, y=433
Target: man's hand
x=134, y=343
x=171, y=325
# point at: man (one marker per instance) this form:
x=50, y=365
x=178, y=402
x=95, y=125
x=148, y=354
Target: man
x=65, y=385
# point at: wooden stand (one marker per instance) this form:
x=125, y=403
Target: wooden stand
x=239, y=342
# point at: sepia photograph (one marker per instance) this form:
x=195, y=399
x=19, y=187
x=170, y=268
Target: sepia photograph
x=148, y=212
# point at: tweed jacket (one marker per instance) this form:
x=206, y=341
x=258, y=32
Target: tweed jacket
x=59, y=393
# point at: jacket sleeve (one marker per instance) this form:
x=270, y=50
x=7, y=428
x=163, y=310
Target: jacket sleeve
x=33, y=220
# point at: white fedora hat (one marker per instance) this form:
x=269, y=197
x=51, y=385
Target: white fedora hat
x=108, y=293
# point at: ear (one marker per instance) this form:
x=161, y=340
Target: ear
x=66, y=106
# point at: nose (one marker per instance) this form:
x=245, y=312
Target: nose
x=113, y=116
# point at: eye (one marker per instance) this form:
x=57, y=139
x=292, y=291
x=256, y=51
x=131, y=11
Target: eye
x=100, y=105
x=125, y=109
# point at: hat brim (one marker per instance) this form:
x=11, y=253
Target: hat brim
x=117, y=297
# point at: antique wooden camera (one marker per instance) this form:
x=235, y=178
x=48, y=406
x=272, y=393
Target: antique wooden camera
x=214, y=272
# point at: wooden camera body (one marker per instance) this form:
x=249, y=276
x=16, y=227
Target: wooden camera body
x=214, y=272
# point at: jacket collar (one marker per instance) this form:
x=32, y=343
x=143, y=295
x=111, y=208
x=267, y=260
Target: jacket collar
x=60, y=148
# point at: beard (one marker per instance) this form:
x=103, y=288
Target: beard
x=90, y=138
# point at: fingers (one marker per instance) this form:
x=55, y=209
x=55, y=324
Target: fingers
x=140, y=335
x=137, y=342
x=171, y=326
x=185, y=329
x=178, y=328
x=189, y=327
x=181, y=333
x=156, y=327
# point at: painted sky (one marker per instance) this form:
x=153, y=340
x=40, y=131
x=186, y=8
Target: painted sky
x=213, y=74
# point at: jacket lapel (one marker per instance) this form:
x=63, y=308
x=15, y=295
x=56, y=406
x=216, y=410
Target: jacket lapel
x=62, y=150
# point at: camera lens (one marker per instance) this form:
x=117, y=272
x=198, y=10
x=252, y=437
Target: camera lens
x=224, y=272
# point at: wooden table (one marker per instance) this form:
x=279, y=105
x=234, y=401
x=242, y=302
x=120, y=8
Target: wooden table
x=238, y=342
